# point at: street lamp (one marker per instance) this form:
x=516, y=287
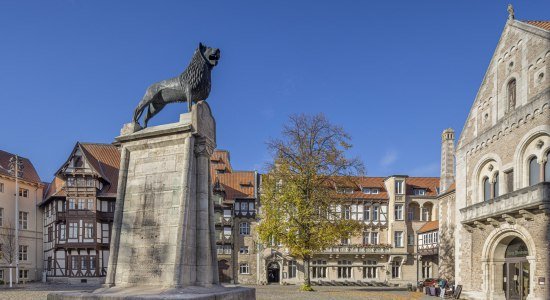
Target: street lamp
x=16, y=170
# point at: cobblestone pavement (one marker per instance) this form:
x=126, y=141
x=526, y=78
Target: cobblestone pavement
x=40, y=291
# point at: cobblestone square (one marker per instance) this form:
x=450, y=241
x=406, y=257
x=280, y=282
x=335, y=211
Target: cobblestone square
x=40, y=291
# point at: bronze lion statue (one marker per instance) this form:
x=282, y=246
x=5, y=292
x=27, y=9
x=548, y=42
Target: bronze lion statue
x=193, y=85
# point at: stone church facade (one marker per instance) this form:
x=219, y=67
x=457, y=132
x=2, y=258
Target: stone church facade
x=502, y=228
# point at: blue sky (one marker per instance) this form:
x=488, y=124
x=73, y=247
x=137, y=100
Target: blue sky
x=394, y=74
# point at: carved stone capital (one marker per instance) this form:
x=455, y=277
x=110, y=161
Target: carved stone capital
x=468, y=228
x=203, y=147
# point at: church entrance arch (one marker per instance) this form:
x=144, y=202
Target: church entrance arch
x=273, y=272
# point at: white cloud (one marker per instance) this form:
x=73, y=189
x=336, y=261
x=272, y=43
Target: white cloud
x=389, y=158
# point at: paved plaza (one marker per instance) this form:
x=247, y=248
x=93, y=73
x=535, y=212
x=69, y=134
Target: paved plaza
x=40, y=291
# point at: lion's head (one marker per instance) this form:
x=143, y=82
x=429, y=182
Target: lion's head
x=211, y=55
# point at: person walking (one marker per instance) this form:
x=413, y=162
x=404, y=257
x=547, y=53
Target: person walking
x=442, y=285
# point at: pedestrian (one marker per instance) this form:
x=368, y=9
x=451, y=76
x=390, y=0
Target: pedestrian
x=442, y=285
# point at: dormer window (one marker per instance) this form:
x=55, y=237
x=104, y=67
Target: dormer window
x=77, y=162
x=348, y=191
x=419, y=192
x=371, y=191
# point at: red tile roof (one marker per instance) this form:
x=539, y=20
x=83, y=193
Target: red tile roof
x=238, y=184
x=541, y=24
x=29, y=172
x=220, y=162
x=429, y=226
x=105, y=159
x=429, y=183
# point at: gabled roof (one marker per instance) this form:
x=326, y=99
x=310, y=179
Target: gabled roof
x=104, y=159
x=238, y=184
x=220, y=161
x=29, y=172
x=429, y=226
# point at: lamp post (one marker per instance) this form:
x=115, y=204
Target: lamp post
x=16, y=169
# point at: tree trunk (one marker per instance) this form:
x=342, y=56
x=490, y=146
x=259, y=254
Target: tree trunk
x=307, y=279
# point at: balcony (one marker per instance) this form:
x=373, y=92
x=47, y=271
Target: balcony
x=517, y=203
x=224, y=222
x=358, y=249
x=428, y=249
x=224, y=239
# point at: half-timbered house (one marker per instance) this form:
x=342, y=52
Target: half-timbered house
x=78, y=210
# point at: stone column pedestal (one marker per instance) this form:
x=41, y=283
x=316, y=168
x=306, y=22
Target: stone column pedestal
x=162, y=239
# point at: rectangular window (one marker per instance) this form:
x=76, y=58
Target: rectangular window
x=23, y=274
x=375, y=211
x=74, y=263
x=426, y=269
x=111, y=206
x=319, y=269
x=369, y=269
x=23, y=220
x=374, y=238
x=345, y=241
x=410, y=214
x=410, y=239
x=399, y=212
x=244, y=269
x=292, y=268
x=50, y=233
x=1, y=216
x=227, y=213
x=399, y=186
x=227, y=249
x=227, y=231
x=395, y=269
x=81, y=203
x=92, y=263
x=49, y=267
x=62, y=232
x=244, y=228
x=88, y=230
x=23, y=252
x=366, y=213
x=419, y=192
x=73, y=230
x=23, y=193
x=344, y=269
x=219, y=249
x=398, y=239
x=84, y=263
x=90, y=204
x=72, y=204
x=347, y=212
x=375, y=191
x=244, y=250
x=1, y=274
x=1, y=187
x=366, y=190
x=366, y=238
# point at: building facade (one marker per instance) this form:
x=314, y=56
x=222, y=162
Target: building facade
x=29, y=249
x=78, y=214
x=502, y=172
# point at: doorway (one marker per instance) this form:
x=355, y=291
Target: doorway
x=273, y=272
x=516, y=271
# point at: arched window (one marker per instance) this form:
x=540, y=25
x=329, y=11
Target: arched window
x=486, y=189
x=512, y=94
x=547, y=168
x=495, y=187
x=534, y=171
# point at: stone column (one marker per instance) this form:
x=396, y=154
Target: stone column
x=203, y=151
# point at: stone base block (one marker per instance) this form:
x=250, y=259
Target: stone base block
x=149, y=293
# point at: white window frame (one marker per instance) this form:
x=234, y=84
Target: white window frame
x=398, y=212
x=399, y=187
x=23, y=220
x=292, y=269
x=23, y=252
x=244, y=268
x=244, y=228
x=398, y=239
x=244, y=250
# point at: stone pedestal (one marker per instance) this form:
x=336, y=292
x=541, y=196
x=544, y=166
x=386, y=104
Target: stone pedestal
x=163, y=236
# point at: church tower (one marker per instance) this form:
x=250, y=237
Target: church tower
x=447, y=159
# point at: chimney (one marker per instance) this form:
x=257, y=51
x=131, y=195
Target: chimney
x=447, y=159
